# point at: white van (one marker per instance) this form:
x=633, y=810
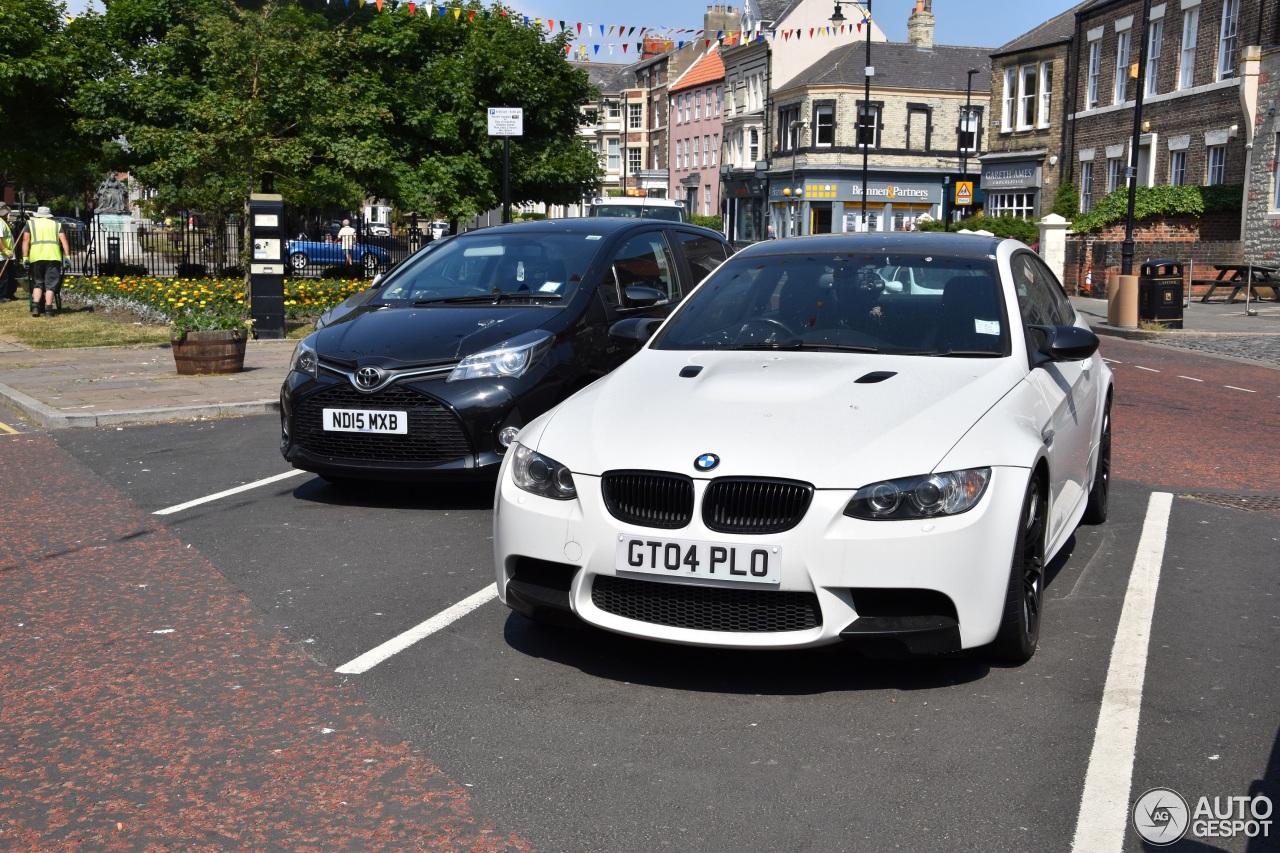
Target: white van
x=638, y=207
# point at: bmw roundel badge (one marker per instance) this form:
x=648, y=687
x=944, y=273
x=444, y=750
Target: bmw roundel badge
x=706, y=462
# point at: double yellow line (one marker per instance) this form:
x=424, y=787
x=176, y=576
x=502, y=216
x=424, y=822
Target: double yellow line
x=6, y=428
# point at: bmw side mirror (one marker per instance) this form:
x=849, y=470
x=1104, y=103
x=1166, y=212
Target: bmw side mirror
x=635, y=329
x=639, y=296
x=1066, y=343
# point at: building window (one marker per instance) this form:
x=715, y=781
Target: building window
x=1086, y=186
x=1177, y=168
x=706, y=151
x=788, y=135
x=715, y=150
x=869, y=125
x=1027, y=97
x=1095, y=72
x=697, y=105
x=613, y=164
x=613, y=109
x=968, y=131
x=635, y=116
x=1006, y=112
x=1114, y=174
x=719, y=98
x=706, y=200
x=1227, y=40
x=824, y=121
x=1217, y=165
x=697, y=152
x=1187, y=57
x=1046, y=87
x=635, y=159
x=1153, y=57
x=1122, y=66
x=657, y=158
x=753, y=147
x=1016, y=205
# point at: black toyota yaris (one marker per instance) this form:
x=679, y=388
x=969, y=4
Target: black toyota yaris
x=431, y=373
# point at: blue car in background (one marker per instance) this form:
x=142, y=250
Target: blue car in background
x=308, y=255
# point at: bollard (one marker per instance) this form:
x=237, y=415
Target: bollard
x=1122, y=302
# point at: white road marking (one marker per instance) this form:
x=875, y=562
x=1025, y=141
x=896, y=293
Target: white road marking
x=1192, y=378
x=237, y=490
x=395, y=645
x=1111, y=360
x=1148, y=369
x=1234, y=388
x=1102, y=823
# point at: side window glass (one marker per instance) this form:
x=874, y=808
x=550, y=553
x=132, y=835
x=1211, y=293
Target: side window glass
x=645, y=260
x=1054, y=296
x=704, y=254
x=1034, y=303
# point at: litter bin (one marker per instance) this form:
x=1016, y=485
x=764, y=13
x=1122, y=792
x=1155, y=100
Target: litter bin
x=1160, y=293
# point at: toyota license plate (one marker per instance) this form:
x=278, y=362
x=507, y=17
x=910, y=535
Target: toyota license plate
x=366, y=420
x=701, y=560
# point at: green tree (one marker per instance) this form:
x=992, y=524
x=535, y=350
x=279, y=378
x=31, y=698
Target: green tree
x=39, y=70
x=1067, y=202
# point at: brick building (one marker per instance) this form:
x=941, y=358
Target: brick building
x=745, y=164
x=1027, y=156
x=912, y=130
x=696, y=121
x=1262, y=186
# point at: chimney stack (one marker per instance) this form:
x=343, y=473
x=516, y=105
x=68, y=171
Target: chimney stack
x=920, y=24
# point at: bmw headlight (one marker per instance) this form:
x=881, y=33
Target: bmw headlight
x=541, y=475
x=304, y=358
x=926, y=496
x=510, y=358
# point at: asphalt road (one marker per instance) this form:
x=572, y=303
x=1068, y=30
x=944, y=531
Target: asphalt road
x=583, y=741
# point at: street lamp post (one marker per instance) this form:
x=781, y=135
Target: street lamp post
x=870, y=71
x=965, y=124
x=1126, y=247
x=795, y=127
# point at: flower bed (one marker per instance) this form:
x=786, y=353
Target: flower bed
x=166, y=298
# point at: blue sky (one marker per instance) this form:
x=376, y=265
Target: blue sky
x=973, y=23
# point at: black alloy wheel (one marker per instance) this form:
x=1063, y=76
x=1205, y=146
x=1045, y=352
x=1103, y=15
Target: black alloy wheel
x=370, y=263
x=1095, y=512
x=299, y=262
x=1020, y=625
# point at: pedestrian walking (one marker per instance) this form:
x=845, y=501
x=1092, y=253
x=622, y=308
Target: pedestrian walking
x=347, y=237
x=45, y=249
x=8, y=264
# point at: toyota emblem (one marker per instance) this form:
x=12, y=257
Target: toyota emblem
x=368, y=378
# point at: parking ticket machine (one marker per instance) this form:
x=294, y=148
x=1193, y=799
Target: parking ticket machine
x=267, y=264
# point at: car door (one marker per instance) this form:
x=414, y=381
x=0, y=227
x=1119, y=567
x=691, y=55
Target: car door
x=1067, y=388
x=645, y=259
x=702, y=254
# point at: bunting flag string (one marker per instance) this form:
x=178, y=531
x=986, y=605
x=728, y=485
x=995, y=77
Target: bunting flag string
x=625, y=33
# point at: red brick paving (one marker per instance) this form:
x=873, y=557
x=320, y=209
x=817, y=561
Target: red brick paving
x=1172, y=432
x=146, y=705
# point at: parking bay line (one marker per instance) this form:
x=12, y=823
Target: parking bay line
x=237, y=490
x=395, y=645
x=1104, y=803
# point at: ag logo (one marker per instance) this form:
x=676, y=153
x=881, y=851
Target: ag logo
x=1161, y=816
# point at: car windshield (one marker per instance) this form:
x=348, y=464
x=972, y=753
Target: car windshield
x=532, y=268
x=670, y=213
x=900, y=304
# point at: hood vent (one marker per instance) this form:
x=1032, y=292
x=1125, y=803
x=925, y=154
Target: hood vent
x=875, y=376
x=690, y=370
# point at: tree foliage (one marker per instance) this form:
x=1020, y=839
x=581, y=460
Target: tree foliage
x=1066, y=203
x=206, y=101
x=1001, y=226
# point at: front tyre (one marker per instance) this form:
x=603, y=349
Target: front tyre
x=1020, y=625
x=1095, y=511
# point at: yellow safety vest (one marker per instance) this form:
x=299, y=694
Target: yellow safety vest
x=44, y=245
x=6, y=238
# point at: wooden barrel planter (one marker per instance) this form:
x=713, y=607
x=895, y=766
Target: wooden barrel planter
x=217, y=351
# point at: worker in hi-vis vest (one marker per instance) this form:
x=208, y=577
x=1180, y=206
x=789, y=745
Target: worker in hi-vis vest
x=45, y=248
x=8, y=264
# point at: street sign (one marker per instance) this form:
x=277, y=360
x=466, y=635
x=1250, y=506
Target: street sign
x=964, y=193
x=506, y=121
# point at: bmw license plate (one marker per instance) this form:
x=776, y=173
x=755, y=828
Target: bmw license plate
x=683, y=558
x=366, y=420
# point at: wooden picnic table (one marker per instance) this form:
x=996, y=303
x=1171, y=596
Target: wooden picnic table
x=1239, y=276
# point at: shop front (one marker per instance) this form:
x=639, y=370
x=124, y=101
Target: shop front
x=1012, y=182
x=817, y=206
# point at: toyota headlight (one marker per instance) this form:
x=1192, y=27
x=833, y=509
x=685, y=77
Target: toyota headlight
x=541, y=475
x=925, y=496
x=304, y=358
x=510, y=358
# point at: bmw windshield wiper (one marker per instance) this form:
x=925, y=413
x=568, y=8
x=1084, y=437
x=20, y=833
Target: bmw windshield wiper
x=492, y=298
x=801, y=345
